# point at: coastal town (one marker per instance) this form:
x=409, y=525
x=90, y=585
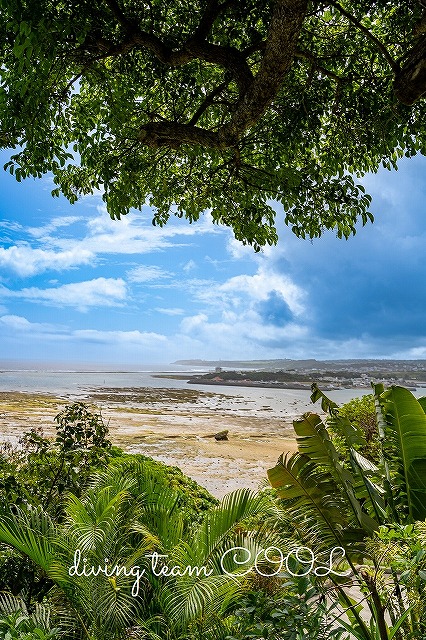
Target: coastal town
x=301, y=374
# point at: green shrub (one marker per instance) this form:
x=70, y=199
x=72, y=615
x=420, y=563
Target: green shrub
x=361, y=414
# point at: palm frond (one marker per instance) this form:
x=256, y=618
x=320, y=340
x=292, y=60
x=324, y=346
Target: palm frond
x=192, y=598
x=32, y=533
x=91, y=520
x=234, y=508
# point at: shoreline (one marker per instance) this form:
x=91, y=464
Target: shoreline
x=170, y=425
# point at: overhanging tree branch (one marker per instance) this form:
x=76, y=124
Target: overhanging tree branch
x=280, y=49
x=207, y=102
x=284, y=30
x=410, y=81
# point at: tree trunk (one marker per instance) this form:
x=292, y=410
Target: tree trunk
x=410, y=82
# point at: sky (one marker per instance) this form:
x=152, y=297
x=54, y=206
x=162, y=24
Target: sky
x=76, y=286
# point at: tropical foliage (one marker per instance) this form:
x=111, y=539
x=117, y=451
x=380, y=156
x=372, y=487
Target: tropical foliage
x=135, y=523
x=354, y=504
x=361, y=413
x=132, y=549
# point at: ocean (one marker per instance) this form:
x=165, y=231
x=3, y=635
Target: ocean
x=76, y=383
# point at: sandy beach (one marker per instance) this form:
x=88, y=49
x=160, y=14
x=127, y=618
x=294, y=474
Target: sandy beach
x=171, y=425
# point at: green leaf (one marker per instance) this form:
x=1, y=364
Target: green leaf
x=406, y=425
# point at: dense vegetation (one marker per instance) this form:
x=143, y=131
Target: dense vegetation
x=76, y=503
x=215, y=105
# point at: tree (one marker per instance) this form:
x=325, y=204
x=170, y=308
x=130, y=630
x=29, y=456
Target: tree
x=219, y=105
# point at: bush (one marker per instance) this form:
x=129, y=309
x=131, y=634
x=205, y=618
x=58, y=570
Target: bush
x=361, y=414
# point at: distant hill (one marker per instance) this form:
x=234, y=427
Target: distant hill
x=282, y=364
x=286, y=364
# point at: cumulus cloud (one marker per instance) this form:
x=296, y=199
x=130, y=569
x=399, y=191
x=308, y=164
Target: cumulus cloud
x=369, y=288
x=325, y=299
x=248, y=291
x=193, y=323
x=248, y=313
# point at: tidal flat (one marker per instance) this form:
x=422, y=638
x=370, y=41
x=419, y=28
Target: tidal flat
x=172, y=425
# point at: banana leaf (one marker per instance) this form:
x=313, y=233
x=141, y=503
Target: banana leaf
x=406, y=440
x=313, y=441
x=422, y=402
x=319, y=508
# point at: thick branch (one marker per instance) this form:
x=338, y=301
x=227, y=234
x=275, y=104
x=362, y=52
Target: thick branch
x=279, y=53
x=173, y=135
x=284, y=30
x=211, y=13
x=227, y=57
x=196, y=46
x=410, y=82
x=208, y=100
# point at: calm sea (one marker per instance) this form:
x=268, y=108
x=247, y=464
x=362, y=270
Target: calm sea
x=77, y=383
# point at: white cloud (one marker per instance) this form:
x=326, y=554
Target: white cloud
x=244, y=291
x=140, y=338
x=26, y=261
x=53, y=225
x=170, y=312
x=260, y=285
x=16, y=322
x=145, y=273
x=21, y=325
x=238, y=250
x=191, y=323
x=11, y=225
x=133, y=234
x=231, y=320
x=100, y=292
x=189, y=266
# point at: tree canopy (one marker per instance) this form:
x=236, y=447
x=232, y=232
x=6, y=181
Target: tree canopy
x=218, y=105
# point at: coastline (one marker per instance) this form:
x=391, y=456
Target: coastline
x=171, y=425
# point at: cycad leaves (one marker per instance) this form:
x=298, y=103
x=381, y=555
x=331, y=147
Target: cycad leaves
x=92, y=521
x=406, y=428
x=34, y=535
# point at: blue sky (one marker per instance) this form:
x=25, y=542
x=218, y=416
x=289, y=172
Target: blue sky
x=76, y=286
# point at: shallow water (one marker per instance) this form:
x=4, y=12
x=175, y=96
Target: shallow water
x=284, y=403
x=169, y=419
